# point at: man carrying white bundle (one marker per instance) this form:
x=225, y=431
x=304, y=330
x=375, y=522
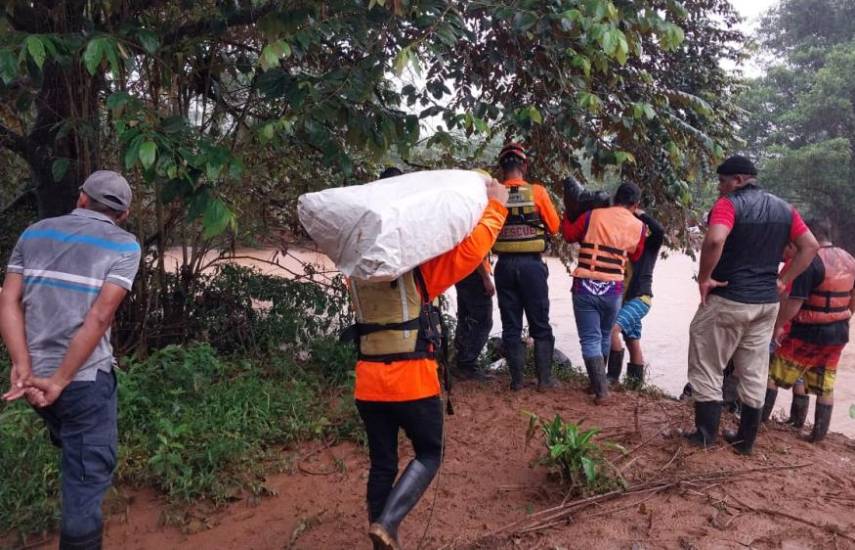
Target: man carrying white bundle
x=397, y=381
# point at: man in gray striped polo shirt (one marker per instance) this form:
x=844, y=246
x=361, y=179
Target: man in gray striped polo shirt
x=65, y=280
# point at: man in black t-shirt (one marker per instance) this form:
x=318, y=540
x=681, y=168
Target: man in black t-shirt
x=819, y=306
x=637, y=301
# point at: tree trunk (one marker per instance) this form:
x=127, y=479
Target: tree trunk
x=66, y=130
x=66, y=126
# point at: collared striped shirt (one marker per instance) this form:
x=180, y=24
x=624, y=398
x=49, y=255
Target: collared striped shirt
x=65, y=261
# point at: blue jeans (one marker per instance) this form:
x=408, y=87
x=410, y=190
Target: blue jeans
x=82, y=422
x=521, y=287
x=474, y=320
x=595, y=317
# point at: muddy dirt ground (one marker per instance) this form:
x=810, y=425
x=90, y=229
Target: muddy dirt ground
x=789, y=494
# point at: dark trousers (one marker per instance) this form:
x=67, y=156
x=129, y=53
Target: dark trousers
x=474, y=320
x=82, y=422
x=521, y=287
x=421, y=421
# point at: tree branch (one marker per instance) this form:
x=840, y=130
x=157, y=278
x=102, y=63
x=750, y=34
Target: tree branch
x=13, y=141
x=237, y=18
x=27, y=196
x=25, y=19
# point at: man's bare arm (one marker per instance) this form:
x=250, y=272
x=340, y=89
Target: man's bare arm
x=806, y=249
x=711, y=251
x=12, y=319
x=14, y=334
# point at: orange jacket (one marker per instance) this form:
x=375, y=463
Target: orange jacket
x=418, y=378
x=543, y=203
x=614, y=235
x=829, y=302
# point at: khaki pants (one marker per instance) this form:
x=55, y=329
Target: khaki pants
x=723, y=330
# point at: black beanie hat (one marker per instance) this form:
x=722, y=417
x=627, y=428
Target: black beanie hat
x=628, y=193
x=737, y=165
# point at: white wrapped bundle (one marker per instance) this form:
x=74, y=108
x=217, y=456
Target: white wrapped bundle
x=383, y=229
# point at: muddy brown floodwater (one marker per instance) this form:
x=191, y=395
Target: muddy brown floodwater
x=665, y=338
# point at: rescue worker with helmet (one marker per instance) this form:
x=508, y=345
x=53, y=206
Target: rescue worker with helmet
x=819, y=305
x=397, y=380
x=521, y=275
x=609, y=238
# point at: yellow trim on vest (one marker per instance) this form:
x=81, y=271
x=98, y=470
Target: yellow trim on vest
x=521, y=238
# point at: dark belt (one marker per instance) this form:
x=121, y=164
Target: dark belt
x=596, y=269
x=534, y=255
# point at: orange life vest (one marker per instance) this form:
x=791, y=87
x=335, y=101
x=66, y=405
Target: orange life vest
x=829, y=302
x=603, y=253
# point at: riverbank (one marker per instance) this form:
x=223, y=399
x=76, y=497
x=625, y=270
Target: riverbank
x=789, y=494
x=666, y=329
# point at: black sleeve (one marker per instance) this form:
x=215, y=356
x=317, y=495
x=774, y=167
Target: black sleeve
x=657, y=231
x=809, y=279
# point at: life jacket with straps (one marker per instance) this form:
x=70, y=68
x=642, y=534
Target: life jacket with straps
x=604, y=252
x=829, y=302
x=396, y=321
x=524, y=231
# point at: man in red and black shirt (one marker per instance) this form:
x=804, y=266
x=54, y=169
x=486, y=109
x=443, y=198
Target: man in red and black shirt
x=740, y=286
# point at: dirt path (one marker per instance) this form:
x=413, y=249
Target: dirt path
x=487, y=483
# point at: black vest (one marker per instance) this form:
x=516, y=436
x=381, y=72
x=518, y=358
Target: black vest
x=754, y=248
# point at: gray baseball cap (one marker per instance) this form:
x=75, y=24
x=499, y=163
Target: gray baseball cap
x=109, y=188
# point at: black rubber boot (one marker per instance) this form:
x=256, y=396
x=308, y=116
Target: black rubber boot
x=615, y=366
x=769, y=404
x=634, y=375
x=543, y=349
x=596, y=368
x=743, y=439
x=707, y=419
x=729, y=386
x=470, y=372
x=515, y=356
x=371, y=519
x=822, y=419
x=92, y=541
x=408, y=490
x=799, y=410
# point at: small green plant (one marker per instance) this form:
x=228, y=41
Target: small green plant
x=571, y=374
x=573, y=454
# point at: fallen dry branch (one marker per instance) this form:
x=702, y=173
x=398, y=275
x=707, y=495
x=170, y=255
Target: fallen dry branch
x=643, y=443
x=828, y=527
x=562, y=513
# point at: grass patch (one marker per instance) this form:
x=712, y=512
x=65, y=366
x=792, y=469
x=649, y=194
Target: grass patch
x=193, y=424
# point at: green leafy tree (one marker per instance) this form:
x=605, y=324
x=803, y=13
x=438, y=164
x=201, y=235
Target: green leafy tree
x=171, y=88
x=222, y=113
x=801, y=115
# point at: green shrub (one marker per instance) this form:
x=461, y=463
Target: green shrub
x=29, y=491
x=573, y=454
x=192, y=424
x=238, y=310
